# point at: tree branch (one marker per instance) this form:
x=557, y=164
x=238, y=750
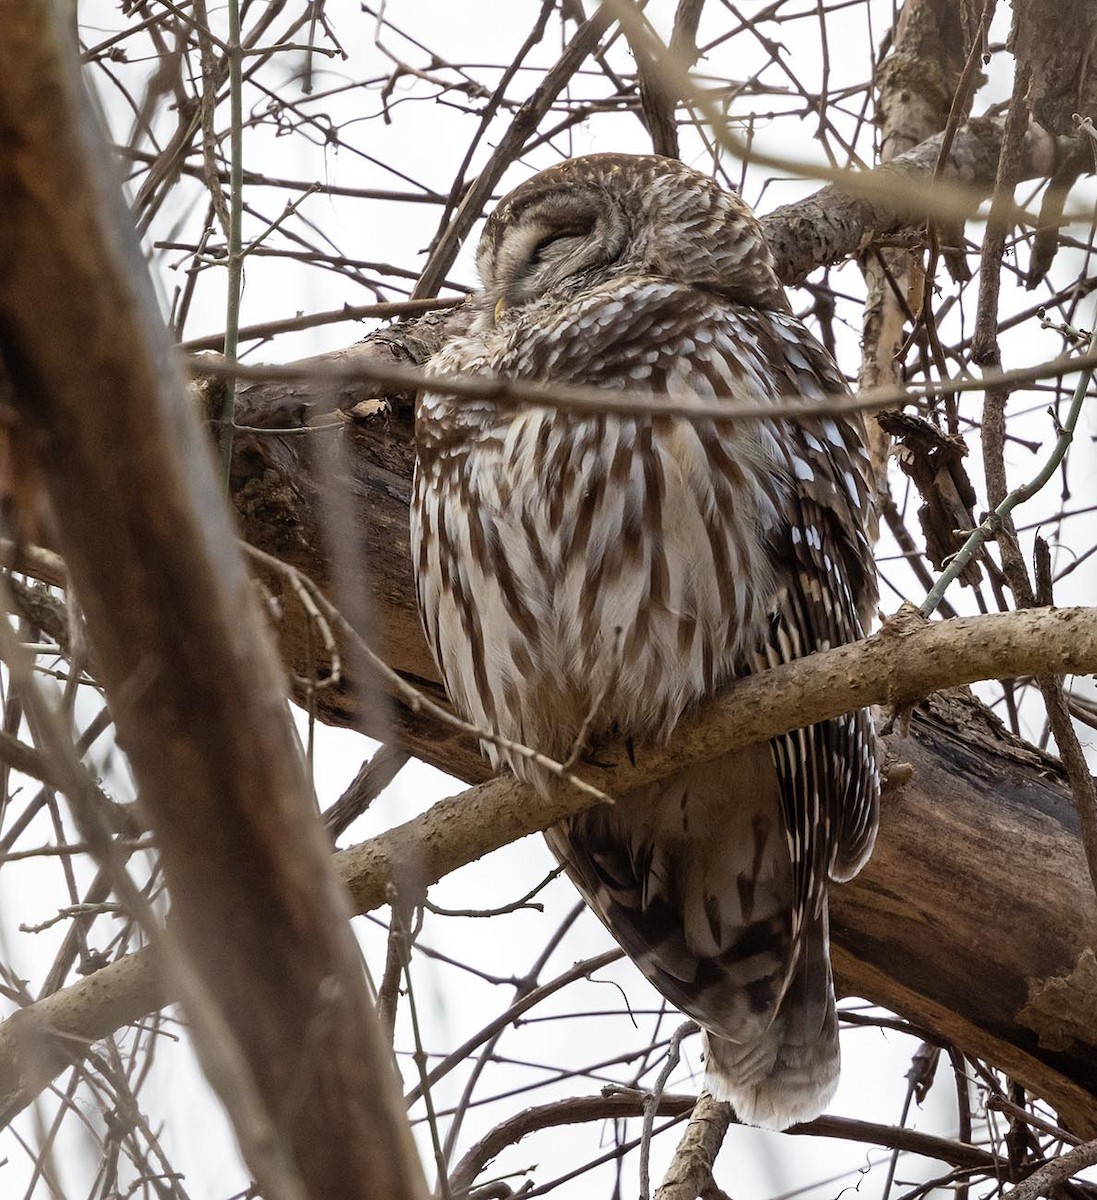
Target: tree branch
x=616, y=1104
x=101, y=418
x=1044, y=1180
x=690, y=1171
x=935, y=927
x=834, y=223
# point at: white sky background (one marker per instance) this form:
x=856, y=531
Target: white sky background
x=426, y=142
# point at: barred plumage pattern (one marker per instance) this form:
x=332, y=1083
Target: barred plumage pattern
x=630, y=566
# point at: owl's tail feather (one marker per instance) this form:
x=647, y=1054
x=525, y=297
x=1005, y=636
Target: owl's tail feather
x=789, y=1074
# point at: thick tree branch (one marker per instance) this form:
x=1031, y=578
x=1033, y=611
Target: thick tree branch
x=690, y=1171
x=916, y=97
x=834, y=223
x=937, y=926
x=193, y=687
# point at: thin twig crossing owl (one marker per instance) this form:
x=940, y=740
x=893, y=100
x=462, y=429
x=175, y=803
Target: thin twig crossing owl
x=622, y=568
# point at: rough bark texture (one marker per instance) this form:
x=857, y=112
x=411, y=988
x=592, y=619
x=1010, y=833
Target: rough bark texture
x=690, y=1171
x=980, y=866
x=917, y=81
x=194, y=689
x=1057, y=39
x=915, y=87
x=1055, y=43
x=833, y=223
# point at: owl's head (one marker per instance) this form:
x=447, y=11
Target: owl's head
x=605, y=216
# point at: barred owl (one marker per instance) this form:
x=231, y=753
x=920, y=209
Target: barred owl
x=616, y=570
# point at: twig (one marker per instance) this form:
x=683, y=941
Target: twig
x=509, y=147
x=401, y=941
x=415, y=699
x=581, y=970
x=651, y=1103
x=1074, y=760
x=631, y=403
x=658, y=101
x=235, y=260
x=514, y=906
x=984, y=343
x=70, y=911
x=388, y=990
x=373, y=777
x=620, y=1102
x=1025, y=491
x=304, y=589
x=1001, y=1104
x=349, y=312
x=522, y=988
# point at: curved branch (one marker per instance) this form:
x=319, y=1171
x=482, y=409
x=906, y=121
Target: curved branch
x=615, y=1105
x=936, y=927
x=834, y=222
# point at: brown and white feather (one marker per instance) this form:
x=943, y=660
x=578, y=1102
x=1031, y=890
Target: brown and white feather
x=638, y=564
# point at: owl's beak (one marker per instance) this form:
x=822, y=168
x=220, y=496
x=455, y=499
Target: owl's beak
x=500, y=305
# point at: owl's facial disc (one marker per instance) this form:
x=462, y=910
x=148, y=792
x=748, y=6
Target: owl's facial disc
x=551, y=238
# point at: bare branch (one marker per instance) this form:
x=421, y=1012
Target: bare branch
x=618, y=1102
x=184, y=659
x=938, y=828
x=1046, y=1179
x=690, y=1171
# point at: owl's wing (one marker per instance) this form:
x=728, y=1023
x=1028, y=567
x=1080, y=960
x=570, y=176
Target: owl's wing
x=825, y=591
x=744, y=544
